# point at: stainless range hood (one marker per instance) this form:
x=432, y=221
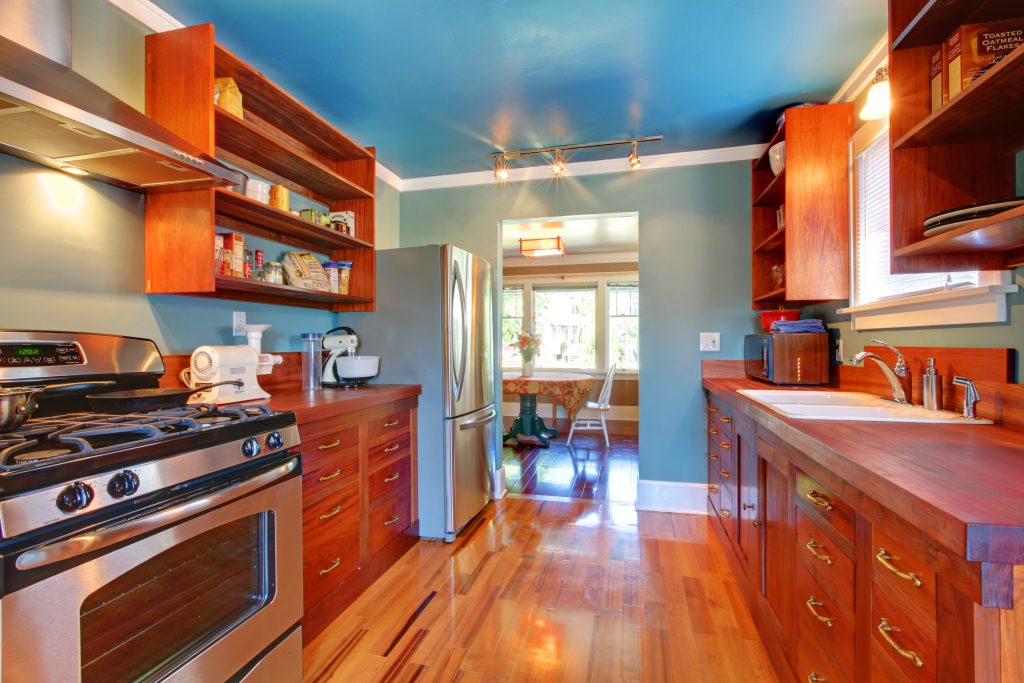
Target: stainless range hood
x=52, y=115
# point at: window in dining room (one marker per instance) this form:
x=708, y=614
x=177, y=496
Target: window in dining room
x=565, y=317
x=511, y=323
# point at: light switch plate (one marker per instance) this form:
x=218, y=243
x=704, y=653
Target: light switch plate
x=710, y=341
x=238, y=323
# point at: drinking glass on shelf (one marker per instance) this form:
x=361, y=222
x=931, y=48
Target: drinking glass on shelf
x=779, y=275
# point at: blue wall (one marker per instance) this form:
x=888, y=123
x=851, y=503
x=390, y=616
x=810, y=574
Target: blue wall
x=694, y=276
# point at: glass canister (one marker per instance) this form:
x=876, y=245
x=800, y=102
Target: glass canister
x=344, y=276
x=273, y=272
x=312, y=345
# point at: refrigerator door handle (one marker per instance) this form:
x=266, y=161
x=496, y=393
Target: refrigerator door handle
x=477, y=424
x=459, y=353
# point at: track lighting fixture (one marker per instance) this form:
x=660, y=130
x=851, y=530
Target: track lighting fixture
x=501, y=170
x=558, y=165
x=634, y=158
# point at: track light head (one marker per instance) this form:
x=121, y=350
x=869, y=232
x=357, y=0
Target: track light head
x=501, y=170
x=634, y=158
x=558, y=165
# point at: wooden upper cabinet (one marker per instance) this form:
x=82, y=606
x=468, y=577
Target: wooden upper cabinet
x=279, y=139
x=813, y=192
x=959, y=155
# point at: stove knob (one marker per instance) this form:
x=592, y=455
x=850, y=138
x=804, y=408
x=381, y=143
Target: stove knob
x=75, y=497
x=250, y=448
x=274, y=441
x=124, y=484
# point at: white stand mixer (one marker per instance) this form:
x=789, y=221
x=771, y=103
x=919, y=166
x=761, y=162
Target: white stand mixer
x=343, y=369
x=211, y=364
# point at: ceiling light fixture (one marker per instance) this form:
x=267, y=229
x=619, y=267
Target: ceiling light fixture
x=879, y=99
x=558, y=166
x=74, y=170
x=532, y=247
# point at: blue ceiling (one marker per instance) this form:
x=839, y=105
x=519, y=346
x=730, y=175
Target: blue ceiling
x=438, y=85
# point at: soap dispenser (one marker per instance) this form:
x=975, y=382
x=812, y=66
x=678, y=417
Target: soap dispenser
x=931, y=387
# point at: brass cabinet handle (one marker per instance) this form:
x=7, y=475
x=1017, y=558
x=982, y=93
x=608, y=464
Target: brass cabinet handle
x=331, y=567
x=712, y=409
x=725, y=474
x=713, y=489
x=820, y=500
x=334, y=511
x=747, y=506
x=812, y=546
x=811, y=604
x=392, y=448
x=725, y=420
x=885, y=628
x=712, y=457
x=726, y=445
x=389, y=522
x=393, y=477
x=392, y=423
x=884, y=558
x=756, y=524
x=712, y=431
x=329, y=446
x=332, y=475
x=815, y=678
x=726, y=513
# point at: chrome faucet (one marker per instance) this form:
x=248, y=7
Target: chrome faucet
x=971, y=396
x=896, y=374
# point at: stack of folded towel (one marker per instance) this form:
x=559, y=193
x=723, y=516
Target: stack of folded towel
x=797, y=326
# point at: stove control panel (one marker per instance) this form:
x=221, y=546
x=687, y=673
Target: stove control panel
x=43, y=354
x=75, y=497
x=250, y=448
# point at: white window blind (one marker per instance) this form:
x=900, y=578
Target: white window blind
x=875, y=282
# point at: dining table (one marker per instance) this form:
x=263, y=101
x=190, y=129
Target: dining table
x=571, y=389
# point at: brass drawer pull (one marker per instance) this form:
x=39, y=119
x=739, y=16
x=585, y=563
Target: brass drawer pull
x=820, y=500
x=884, y=558
x=330, y=568
x=712, y=457
x=811, y=604
x=747, y=506
x=329, y=446
x=393, y=477
x=725, y=474
x=389, y=522
x=726, y=445
x=812, y=547
x=332, y=475
x=757, y=524
x=726, y=513
x=713, y=489
x=815, y=678
x=725, y=420
x=712, y=409
x=392, y=448
x=392, y=423
x=885, y=628
x=712, y=431
x=334, y=511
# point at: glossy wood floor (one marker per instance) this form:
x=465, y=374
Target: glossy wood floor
x=552, y=591
x=587, y=469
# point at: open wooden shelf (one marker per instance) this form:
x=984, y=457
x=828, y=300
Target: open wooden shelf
x=939, y=18
x=775, y=193
x=1003, y=232
x=241, y=138
x=241, y=213
x=266, y=292
x=990, y=108
x=776, y=240
x=774, y=295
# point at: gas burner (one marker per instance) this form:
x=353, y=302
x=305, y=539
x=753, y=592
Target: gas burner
x=36, y=456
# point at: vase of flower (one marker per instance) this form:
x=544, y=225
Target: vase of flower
x=528, y=344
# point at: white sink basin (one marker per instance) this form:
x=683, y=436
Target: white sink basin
x=852, y=406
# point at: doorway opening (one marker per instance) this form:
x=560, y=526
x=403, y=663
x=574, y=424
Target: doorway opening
x=572, y=406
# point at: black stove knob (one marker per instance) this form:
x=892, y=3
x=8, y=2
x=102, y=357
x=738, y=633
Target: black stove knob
x=250, y=448
x=123, y=484
x=274, y=441
x=75, y=497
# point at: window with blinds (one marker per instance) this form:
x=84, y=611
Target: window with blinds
x=873, y=279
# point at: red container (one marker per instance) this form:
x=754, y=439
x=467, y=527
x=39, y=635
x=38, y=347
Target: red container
x=768, y=317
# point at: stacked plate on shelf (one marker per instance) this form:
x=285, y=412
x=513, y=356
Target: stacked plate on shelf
x=944, y=221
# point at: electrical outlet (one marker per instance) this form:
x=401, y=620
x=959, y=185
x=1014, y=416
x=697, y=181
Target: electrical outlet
x=710, y=341
x=238, y=323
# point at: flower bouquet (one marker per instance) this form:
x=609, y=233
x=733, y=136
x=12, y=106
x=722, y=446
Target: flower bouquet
x=528, y=344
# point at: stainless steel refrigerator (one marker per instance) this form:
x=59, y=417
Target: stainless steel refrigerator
x=433, y=327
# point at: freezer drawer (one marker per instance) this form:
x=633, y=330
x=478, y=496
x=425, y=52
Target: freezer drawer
x=469, y=453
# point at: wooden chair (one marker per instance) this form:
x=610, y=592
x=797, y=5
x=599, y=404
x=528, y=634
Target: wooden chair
x=595, y=424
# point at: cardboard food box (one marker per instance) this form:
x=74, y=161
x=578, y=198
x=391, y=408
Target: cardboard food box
x=973, y=49
x=937, y=78
x=234, y=244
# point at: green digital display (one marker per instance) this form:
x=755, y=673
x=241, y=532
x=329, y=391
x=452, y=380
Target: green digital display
x=29, y=351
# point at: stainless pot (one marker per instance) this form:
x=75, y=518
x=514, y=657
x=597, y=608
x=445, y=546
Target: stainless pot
x=18, y=403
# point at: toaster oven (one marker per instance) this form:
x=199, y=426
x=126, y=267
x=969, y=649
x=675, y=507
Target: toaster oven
x=801, y=358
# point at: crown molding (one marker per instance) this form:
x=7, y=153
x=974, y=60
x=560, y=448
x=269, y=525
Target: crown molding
x=148, y=14
x=864, y=73
x=390, y=177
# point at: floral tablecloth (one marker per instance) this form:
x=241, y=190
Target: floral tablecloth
x=571, y=389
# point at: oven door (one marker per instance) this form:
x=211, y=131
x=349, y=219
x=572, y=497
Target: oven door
x=199, y=590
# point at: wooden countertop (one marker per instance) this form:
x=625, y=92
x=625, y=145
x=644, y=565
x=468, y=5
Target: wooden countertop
x=963, y=485
x=326, y=403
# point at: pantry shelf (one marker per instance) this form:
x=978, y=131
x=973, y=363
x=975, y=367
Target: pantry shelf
x=775, y=193
x=777, y=240
x=774, y=295
x=938, y=18
x=1003, y=232
x=258, y=291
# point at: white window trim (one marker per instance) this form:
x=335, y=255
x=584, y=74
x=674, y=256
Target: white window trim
x=985, y=303
x=603, y=342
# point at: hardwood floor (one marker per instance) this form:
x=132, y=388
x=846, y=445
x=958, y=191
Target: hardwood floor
x=587, y=469
x=551, y=591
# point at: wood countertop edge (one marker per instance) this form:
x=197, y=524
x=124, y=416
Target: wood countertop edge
x=976, y=540
x=327, y=403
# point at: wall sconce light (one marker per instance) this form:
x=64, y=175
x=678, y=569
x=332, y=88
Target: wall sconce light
x=879, y=99
x=531, y=247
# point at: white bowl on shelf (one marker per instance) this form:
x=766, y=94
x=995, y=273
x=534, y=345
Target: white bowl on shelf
x=357, y=367
x=777, y=157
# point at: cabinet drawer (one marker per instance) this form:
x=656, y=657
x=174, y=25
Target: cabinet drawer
x=381, y=428
x=392, y=447
x=336, y=510
x=714, y=482
x=390, y=478
x=814, y=663
x=720, y=417
x=389, y=517
x=820, y=615
x=326, y=471
x=322, y=441
x=829, y=566
x=900, y=649
x=326, y=564
x=818, y=502
x=904, y=574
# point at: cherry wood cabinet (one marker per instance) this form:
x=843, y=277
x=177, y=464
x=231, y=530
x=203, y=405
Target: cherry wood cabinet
x=812, y=192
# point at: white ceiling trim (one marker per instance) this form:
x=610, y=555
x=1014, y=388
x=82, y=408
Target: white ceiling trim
x=581, y=168
x=148, y=14
x=571, y=259
x=390, y=177
x=864, y=73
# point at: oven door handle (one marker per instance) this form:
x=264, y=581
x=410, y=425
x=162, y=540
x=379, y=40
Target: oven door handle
x=107, y=536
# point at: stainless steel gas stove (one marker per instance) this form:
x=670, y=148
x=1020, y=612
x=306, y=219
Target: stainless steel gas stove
x=170, y=538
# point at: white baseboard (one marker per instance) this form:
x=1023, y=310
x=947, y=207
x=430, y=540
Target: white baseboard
x=672, y=496
x=499, y=483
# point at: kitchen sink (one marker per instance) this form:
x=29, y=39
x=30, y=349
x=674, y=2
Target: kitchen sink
x=851, y=406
